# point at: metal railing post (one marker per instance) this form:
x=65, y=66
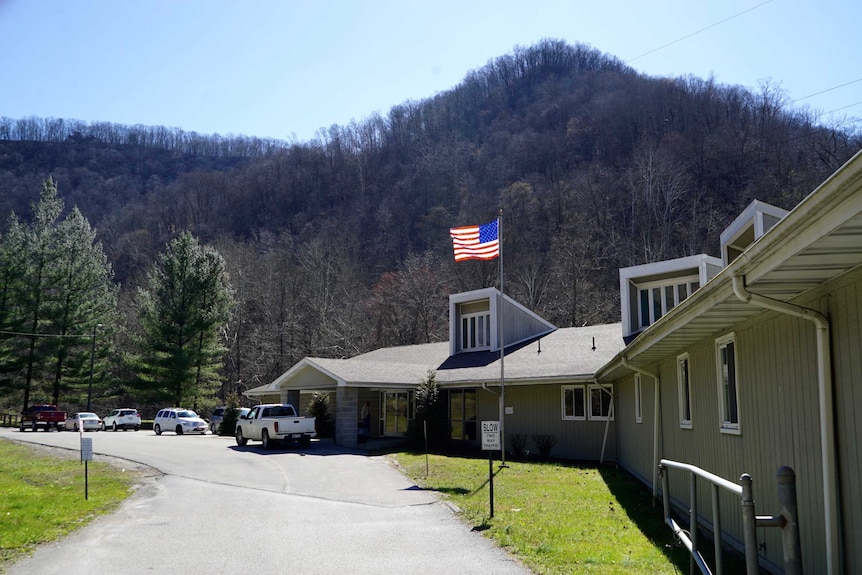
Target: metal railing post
x=749, y=525
x=790, y=540
x=692, y=522
x=716, y=530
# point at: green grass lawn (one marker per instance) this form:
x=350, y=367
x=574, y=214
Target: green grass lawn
x=43, y=496
x=556, y=517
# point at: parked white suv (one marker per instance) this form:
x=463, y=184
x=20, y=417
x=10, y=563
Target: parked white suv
x=123, y=418
x=179, y=420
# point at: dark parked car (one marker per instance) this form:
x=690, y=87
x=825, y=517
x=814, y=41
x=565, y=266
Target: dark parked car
x=218, y=415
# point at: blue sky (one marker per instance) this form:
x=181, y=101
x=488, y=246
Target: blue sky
x=286, y=68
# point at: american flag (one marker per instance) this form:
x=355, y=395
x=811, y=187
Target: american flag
x=476, y=242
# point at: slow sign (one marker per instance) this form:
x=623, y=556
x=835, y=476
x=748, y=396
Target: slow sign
x=491, y=436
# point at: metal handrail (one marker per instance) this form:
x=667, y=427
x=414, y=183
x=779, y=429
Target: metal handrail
x=786, y=520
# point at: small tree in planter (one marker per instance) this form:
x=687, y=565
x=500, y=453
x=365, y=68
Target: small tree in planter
x=231, y=414
x=430, y=414
x=319, y=408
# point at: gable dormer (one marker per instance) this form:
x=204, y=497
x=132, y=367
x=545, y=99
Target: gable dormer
x=649, y=291
x=474, y=316
x=754, y=221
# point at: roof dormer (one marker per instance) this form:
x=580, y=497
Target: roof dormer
x=649, y=291
x=473, y=322
x=753, y=222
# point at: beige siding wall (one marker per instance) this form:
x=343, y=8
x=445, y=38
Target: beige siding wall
x=310, y=378
x=538, y=410
x=779, y=423
x=846, y=314
x=636, y=439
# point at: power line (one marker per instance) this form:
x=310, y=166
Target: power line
x=828, y=90
x=21, y=334
x=698, y=32
x=713, y=25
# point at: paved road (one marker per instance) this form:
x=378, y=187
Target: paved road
x=220, y=508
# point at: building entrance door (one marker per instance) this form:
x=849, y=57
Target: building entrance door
x=396, y=412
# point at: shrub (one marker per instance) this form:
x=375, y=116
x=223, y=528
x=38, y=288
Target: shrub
x=545, y=442
x=517, y=443
x=319, y=408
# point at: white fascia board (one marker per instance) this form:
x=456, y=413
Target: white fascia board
x=698, y=261
x=748, y=216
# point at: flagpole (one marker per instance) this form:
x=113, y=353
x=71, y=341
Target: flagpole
x=502, y=344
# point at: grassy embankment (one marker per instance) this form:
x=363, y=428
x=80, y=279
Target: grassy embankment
x=556, y=517
x=43, y=496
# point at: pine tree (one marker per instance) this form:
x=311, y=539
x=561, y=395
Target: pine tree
x=187, y=302
x=38, y=282
x=55, y=285
x=12, y=318
x=87, y=300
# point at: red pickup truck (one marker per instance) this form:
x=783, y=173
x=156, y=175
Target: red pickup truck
x=44, y=416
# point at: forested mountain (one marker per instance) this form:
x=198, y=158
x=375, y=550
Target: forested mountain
x=340, y=244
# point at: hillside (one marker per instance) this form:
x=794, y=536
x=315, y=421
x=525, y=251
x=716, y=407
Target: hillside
x=594, y=166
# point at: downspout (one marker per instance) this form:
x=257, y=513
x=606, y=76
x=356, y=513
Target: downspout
x=831, y=509
x=656, y=418
x=608, y=422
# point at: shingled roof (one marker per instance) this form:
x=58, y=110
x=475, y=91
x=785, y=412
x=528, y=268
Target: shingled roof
x=568, y=354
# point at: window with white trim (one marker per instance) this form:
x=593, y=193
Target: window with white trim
x=655, y=299
x=600, y=403
x=639, y=410
x=475, y=332
x=574, y=402
x=728, y=384
x=684, y=390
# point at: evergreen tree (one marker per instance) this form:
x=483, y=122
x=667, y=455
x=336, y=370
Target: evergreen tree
x=55, y=285
x=87, y=298
x=12, y=318
x=431, y=416
x=187, y=302
x=38, y=283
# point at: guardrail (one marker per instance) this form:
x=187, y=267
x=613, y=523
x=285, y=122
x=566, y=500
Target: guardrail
x=10, y=419
x=787, y=520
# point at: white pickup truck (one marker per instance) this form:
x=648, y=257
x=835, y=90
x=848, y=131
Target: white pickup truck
x=272, y=423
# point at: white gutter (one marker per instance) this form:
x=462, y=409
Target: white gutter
x=608, y=422
x=827, y=422
x=656, y=419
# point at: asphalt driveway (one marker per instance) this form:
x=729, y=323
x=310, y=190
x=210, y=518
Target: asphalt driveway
x=220, y=508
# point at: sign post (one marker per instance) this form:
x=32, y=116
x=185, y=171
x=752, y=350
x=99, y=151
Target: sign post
x=491, y=443
x=86, y=457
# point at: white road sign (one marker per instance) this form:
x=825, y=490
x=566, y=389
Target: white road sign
x=86, y=449
x=491, y=435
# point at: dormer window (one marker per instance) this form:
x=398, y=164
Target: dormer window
x=657, y=298
x=754, y=221
x=475, y=322
x=475, y=326
x=648, y=292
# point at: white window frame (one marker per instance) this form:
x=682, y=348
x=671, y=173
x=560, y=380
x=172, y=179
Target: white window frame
x=683, y=378
x=724, y=385
x=482, y=336
x=639, y=406
x=574, y=389
x=603, y=390
x=662, y=305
